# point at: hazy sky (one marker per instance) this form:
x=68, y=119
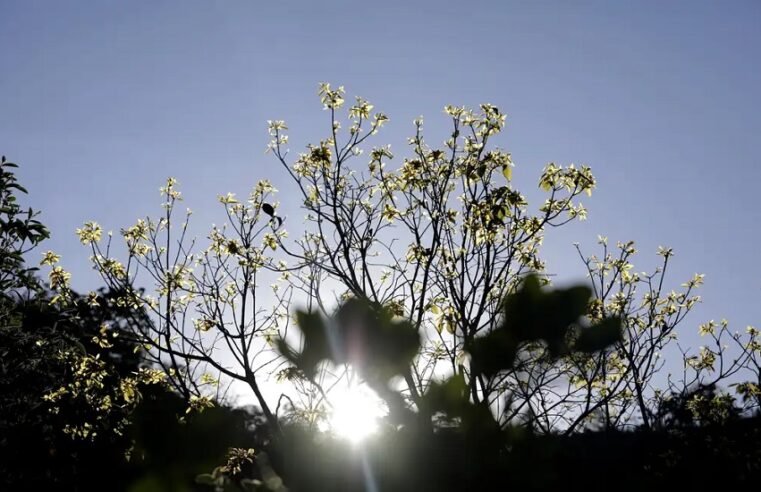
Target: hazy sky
x=100, y=101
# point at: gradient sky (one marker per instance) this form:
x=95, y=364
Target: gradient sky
x=101, y=101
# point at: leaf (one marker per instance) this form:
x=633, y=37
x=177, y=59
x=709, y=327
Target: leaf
x=206, y=479
x=453, y=400
x=268, y=209
x=507, y=172
x=373, y=341
x=316, y=343
x=17, y=186
x=492, y=353
x=597, y=337
x=360, y=333
x=450, y=397
x=532, y=315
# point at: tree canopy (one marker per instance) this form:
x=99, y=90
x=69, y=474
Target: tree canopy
x=423, y=282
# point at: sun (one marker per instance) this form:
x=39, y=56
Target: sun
x=355, y=412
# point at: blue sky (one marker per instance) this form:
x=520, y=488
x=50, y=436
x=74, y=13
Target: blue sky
x=101, y=101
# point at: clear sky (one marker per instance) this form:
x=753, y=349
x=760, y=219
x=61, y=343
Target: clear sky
x=100, y=101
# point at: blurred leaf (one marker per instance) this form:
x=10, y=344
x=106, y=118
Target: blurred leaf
x=206, y=479
x=532, y=314
x=362, y=334
x=316, y=343
x=450, y=397
x=493, y=352
x=597, y=337
x=374, y=342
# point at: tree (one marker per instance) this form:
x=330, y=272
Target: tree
x=20, y=232
x=439, y=243
x=68, y=382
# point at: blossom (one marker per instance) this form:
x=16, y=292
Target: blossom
x=90, y=233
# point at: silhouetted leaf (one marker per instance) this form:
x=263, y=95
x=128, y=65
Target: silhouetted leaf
x=450, y=397
x=373, y=341
x=599, y=336
x=531, y=315
x=316, y=343
x=492, y=353
x=361, y=334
